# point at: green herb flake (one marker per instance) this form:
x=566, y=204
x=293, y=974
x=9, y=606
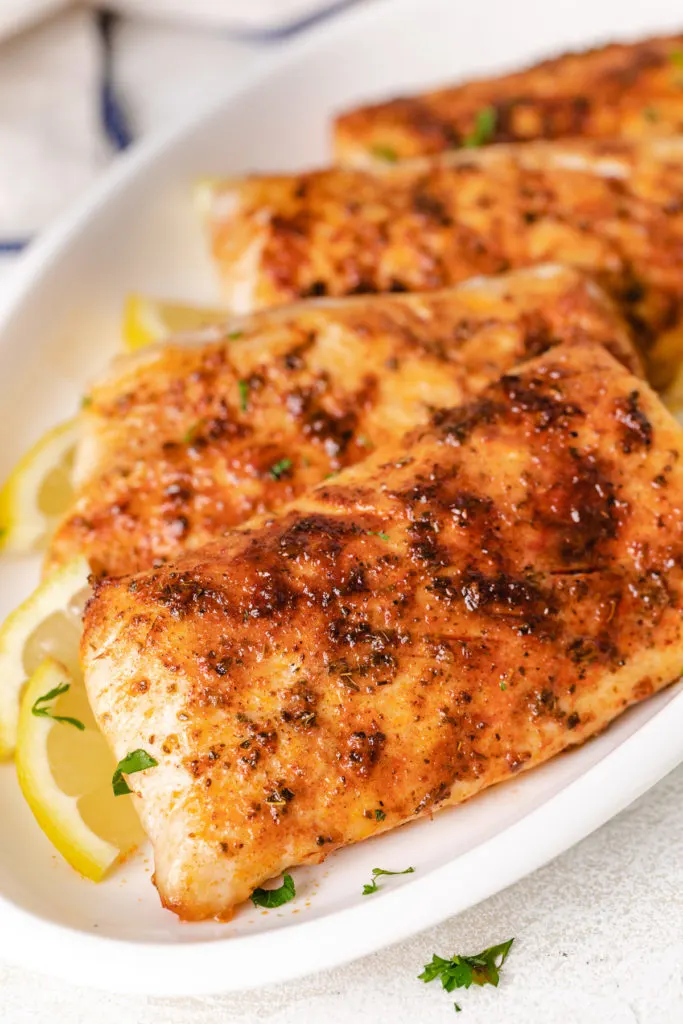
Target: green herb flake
x=651, y=114
x=41, y=710
x=86, y=401
x=386, y=153
x=136, y=761
x=376, y=872
x=503, y=686
x=676, y=58
x=270, y=898
x=463, y=971
x=378, y=533
x=234, y=335
x=379, y=814
x=484, y=128
x=280, y=468
x=243, y=386
x=190, y=434
x=457, y=1007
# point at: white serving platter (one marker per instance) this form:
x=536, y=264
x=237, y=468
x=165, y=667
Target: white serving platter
x=137, y=231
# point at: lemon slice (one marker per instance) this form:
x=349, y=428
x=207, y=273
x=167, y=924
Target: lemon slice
x=148, y=320
x=65, y=770
x=38, y=490
x=48, y=622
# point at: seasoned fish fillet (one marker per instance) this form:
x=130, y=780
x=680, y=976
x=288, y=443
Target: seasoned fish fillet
x=188, y=439
x=490, y=590
x=613, y=209
x=630, y=90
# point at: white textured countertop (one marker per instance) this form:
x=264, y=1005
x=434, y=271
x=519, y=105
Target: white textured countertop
x=599, y=932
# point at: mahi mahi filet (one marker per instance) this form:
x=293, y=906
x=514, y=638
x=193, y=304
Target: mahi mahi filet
x=188, y=439
x=461, y=606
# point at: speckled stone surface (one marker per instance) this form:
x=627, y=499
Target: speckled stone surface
x=599, y=940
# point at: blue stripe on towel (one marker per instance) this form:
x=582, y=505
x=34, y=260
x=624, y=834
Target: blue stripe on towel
x=112, y=114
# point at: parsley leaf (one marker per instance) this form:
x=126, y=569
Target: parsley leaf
x=280, y=468
x=376, y=872
x=86, y=401
x=190, y=434
x=379, y=814
x=457, y=1007
x=378, y=533
x=271, y=898
x=243, y=386
x=386, y=153
x=136, y=761
x=234, y=335
x=41, y=710
x=484, y=128
x=463, y=971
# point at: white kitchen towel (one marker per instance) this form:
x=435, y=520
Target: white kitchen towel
x=78, y=85
x=265, y=17
x=51, y=144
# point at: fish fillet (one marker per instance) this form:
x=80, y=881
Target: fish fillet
x=614, y=210
x=192, y=437
x=485, y=593
x=631, y=90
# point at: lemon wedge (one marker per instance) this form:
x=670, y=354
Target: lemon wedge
x=65, y=771
x=47, y=623
x=38, y=490
x=148, y=320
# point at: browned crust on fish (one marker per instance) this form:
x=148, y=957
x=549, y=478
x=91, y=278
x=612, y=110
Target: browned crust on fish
x=192, y=438
x=611, y=209
x=631, y=90
x=490, y=591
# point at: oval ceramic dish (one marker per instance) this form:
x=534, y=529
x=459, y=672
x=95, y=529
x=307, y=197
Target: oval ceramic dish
x=138, y=231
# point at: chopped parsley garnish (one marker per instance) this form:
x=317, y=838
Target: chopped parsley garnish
x=378, y=533
x=41, y=710
x=270, y=898
x=244, y=394
x=463, y=971
x=280, y=468
x=676, y=58
x=376, y=872
x=484, y=128
x=379, y=814
x=386, y=153
x=86, y=401
x=234, y=335
x=136, y=761
x=191, y=433
x=503, y=686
